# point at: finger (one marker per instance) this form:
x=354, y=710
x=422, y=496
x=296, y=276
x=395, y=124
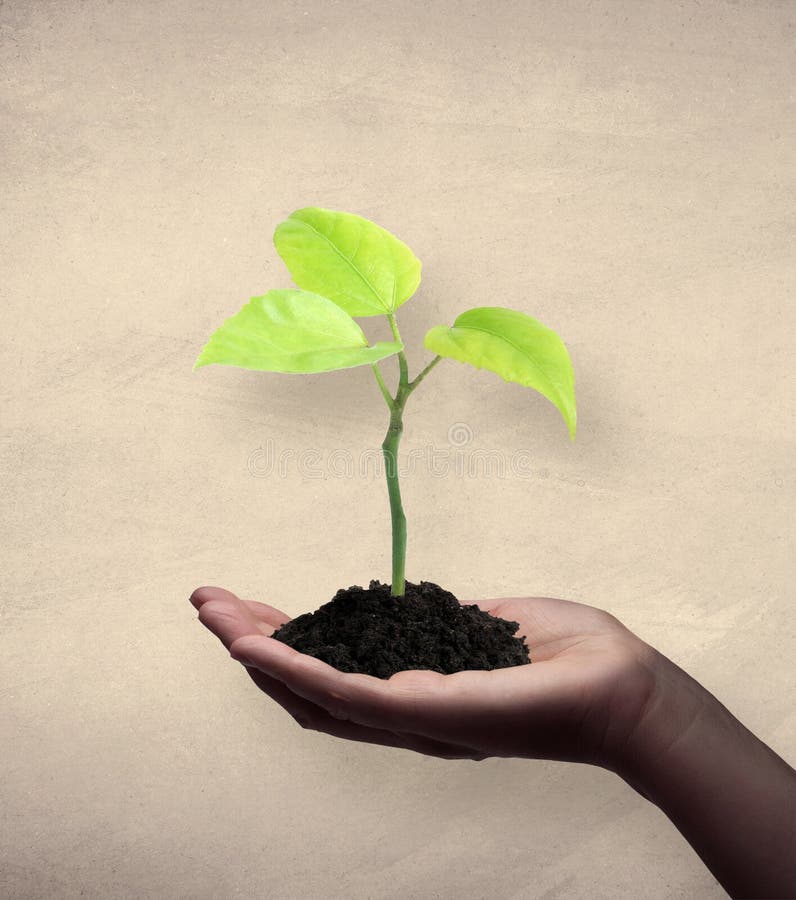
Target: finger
x=440, y=749
x=267, y=613
x=204, y=594
x=230, y=618
x=314, y=718
x=227, y=616
x=442, y=707
x=263, y=611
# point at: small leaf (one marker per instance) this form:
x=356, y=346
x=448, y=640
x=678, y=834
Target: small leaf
x=292, y=331
x=516, y=347
x=354, y=262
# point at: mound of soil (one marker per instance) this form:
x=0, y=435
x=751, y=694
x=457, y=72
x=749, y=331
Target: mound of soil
x=369, y=631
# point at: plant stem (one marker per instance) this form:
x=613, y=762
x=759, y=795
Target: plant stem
x=390, y=450
x=402, y=364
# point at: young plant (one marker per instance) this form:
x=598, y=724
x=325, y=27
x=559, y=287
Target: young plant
x=347, y=267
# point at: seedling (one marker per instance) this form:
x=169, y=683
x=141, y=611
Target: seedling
x=347, y=267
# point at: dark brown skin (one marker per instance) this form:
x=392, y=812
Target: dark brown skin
x=595, y=694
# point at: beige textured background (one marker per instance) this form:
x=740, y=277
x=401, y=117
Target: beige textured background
x=622, y=171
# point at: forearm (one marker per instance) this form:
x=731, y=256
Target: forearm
x=730, y=796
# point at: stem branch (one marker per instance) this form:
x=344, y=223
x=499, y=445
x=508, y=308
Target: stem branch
x=413, y=384
x=382, y=386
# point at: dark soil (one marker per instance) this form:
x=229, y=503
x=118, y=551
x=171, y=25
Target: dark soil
x=369, y=631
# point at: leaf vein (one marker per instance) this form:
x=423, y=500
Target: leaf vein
x=542, y=373
x=346, y=259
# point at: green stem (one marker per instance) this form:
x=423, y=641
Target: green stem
x=390, y=450
x=402, y=364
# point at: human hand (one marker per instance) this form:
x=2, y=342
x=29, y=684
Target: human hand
x=580, y=700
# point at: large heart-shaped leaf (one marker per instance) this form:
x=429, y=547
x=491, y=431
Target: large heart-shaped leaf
x=516, y=347
x=292, y=331
x=352, y=261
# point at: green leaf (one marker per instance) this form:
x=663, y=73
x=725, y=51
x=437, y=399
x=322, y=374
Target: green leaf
x=292, y=331
x=516, y=347
x=354, y=262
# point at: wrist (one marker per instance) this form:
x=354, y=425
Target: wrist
x=731, y=796
x=676, y=708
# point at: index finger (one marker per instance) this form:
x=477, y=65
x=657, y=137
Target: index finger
x=267, y=613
